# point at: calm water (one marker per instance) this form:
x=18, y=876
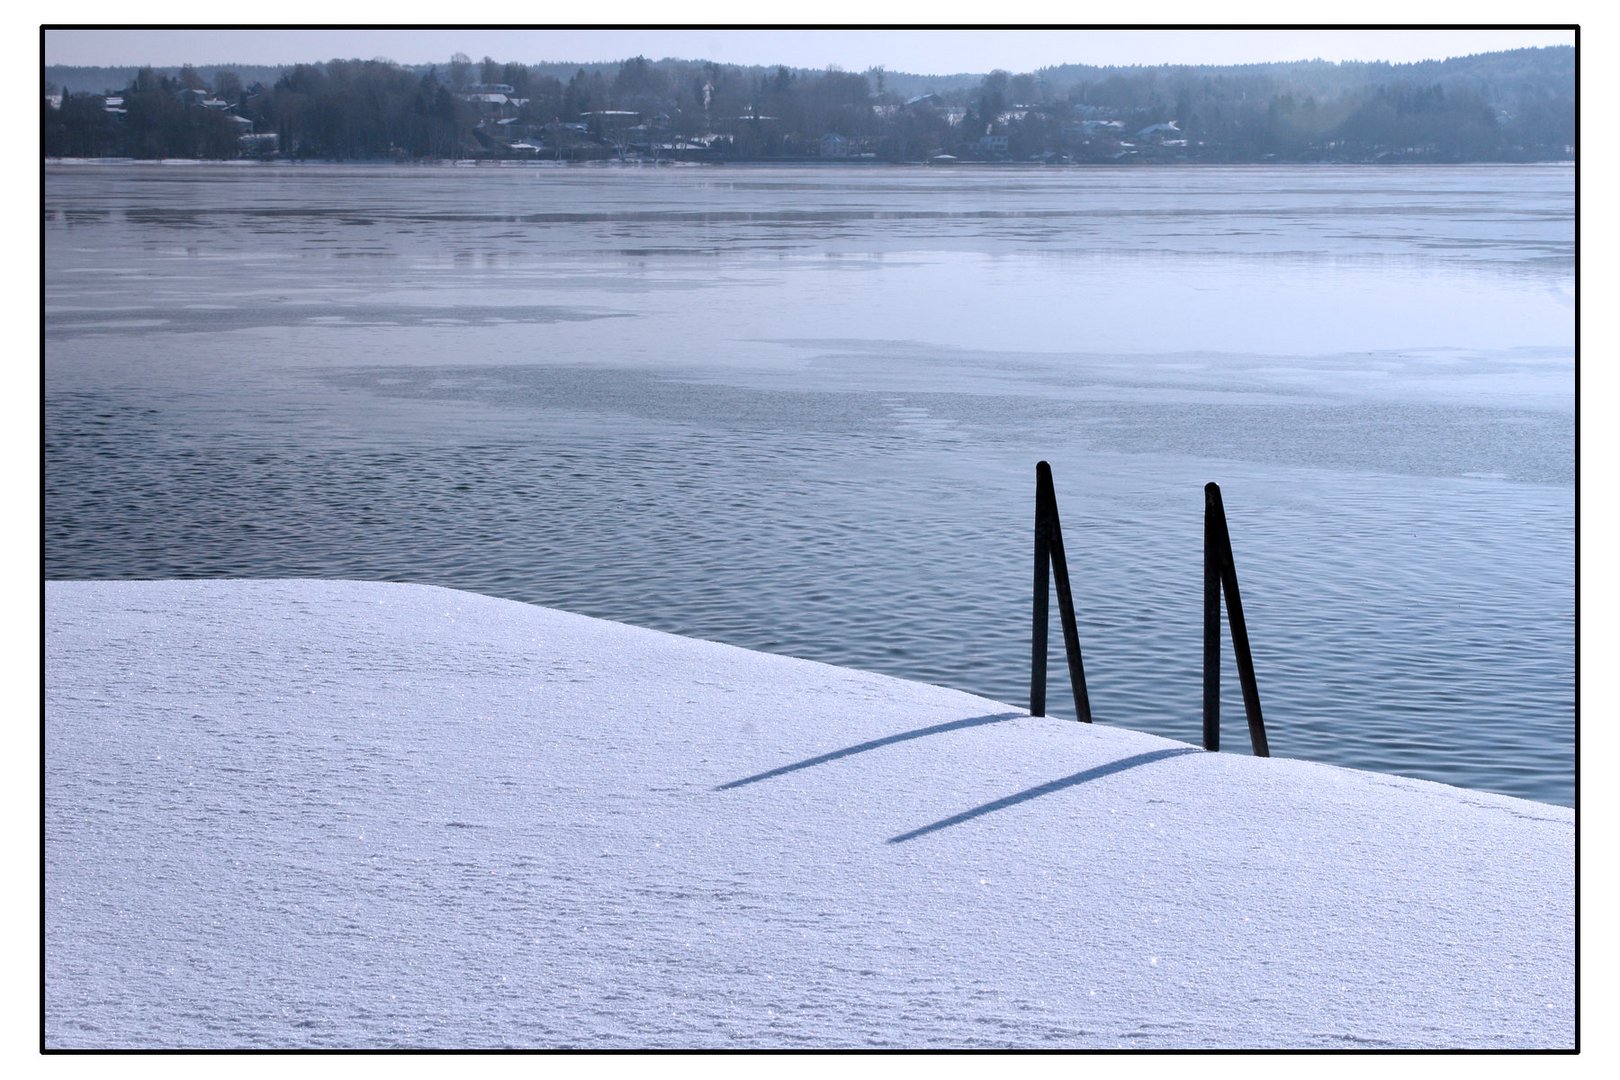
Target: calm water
x=799, y=410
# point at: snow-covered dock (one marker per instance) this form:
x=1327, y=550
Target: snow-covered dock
x=335, y=814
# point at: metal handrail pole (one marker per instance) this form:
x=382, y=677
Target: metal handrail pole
x=1047, y=494
x=1240, y=630
x=1043, y=562
x=1212, y=623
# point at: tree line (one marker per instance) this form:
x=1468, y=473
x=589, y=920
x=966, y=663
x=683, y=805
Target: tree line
x=1509, y=106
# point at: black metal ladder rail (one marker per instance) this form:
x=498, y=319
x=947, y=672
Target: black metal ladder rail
x=1049, y=556
x=1220, y=574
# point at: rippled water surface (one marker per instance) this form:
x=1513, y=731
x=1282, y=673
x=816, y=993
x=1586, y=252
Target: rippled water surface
x=799, y=410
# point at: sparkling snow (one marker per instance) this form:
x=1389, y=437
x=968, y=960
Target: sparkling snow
x=336, y=814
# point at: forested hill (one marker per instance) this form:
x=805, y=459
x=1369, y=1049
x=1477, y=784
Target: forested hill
x=1505, y=106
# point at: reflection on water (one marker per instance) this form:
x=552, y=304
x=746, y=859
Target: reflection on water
x=800, y=410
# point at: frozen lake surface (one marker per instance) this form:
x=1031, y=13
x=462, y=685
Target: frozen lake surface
x=799, y=410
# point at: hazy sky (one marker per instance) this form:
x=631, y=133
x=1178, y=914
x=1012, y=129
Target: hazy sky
x=917, y=51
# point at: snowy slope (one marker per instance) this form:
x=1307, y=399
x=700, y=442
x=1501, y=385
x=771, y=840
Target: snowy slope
x=337, y=814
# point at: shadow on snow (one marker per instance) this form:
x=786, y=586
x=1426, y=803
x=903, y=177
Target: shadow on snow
x=1036, y=792
x=1095, y=773
x=861, y=748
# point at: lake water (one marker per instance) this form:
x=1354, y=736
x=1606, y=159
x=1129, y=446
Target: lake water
x=799, y=410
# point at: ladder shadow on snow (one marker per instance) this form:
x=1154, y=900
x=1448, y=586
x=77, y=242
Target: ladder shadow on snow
x=861, y=748
x=1095, y=773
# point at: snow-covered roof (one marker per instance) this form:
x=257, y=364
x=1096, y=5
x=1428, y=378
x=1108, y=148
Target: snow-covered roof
x=341, y=814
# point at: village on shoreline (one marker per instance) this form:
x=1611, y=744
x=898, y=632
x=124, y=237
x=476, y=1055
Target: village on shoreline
x=1515, y=106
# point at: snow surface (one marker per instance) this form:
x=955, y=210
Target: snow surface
x=341, y=814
